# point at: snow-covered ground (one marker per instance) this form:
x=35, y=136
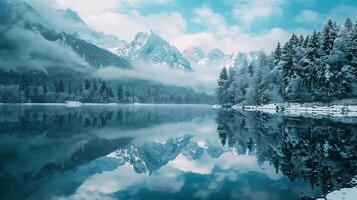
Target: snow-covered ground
x=343, y=193
x=301, y=109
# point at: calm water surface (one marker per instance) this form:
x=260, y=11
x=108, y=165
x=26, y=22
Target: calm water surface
x=171, y=152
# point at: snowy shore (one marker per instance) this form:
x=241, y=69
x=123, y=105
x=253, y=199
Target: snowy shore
x=301, y=109
x=342, y=109
x=343, y=193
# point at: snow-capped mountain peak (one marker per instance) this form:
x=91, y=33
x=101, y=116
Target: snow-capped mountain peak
x=150, y=47
x=194, y=54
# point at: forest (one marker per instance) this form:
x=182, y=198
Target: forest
x=320, y=67
x=39, y=87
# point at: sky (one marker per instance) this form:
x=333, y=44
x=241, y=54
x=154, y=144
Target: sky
x=230, y=25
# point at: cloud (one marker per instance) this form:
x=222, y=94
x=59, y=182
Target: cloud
x=125, y=26
x=38, y=53
x=202, y=79
x=249, y=10
x=308, y=16
x=227, y=37
x=215, y=22
x=122, y=19
x=112, y=19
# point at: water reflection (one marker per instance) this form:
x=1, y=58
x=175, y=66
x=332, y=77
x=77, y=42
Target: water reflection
x=170, y=152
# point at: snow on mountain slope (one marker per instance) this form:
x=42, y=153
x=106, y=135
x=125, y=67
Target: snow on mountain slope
x=51, y=44
x=151, y=156
x=194, y=54
x=75, y=25
x=197, y=56
x=153, y=49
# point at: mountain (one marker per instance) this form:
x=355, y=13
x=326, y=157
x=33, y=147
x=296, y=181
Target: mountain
x=194, y=54
x=92, y=54
x=76, y=26
x=153, y=49
x=197, y=56
x=151, y=156
x=47, y=47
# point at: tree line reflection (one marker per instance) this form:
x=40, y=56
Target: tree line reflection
x=320, y=151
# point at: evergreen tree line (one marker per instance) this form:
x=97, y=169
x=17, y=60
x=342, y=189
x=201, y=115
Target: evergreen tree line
x=39, y=87
x=319, y=67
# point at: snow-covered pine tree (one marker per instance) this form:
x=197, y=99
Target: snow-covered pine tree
x=223, y=78
x=310, y=63
x=348, y=24
x=352, y=46
x=230, y=86
x=329, y=34
x=328, y=37
x=350, y=71
x=288, y=64
x=277, y=54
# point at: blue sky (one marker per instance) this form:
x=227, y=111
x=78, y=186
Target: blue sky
x=231, y=25
x=322, y=9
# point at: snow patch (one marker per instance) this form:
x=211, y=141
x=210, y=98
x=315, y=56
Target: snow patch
x=216, y=106
x=73, y=103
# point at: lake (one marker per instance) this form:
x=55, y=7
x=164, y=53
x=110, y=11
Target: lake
x=171, y=152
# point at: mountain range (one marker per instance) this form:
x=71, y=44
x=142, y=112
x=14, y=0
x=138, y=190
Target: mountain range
x=97, y=49
x=196, y=55
x=151, y=48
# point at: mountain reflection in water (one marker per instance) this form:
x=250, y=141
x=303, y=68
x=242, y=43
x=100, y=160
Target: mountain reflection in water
x=171, y=152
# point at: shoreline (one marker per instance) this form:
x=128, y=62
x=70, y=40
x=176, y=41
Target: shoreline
x=296, y=109
x=98, y=104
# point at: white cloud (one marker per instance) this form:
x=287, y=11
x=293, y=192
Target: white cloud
x=125, y=26
x=250, y=10
x=215, y=22
x=227, y=37
x=308, y=16
x=111, y=18
x=121, y=18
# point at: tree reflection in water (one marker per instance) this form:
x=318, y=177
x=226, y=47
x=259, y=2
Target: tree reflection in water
x=321, y=151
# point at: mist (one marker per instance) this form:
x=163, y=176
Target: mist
x=24, y=48
x=202, y=79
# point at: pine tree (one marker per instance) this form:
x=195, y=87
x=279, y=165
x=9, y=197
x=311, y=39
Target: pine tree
x=329, y=34
x=301, y=40
x=306, y=42
x=120, y=93
x=229, y=86
x=310, y=63
x=352, y=46
x=277, y=54
x=223, y=78
x=287, y=73
x=86, y=84
x=348, y=24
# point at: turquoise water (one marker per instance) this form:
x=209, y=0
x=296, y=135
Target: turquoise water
x=170, y=152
